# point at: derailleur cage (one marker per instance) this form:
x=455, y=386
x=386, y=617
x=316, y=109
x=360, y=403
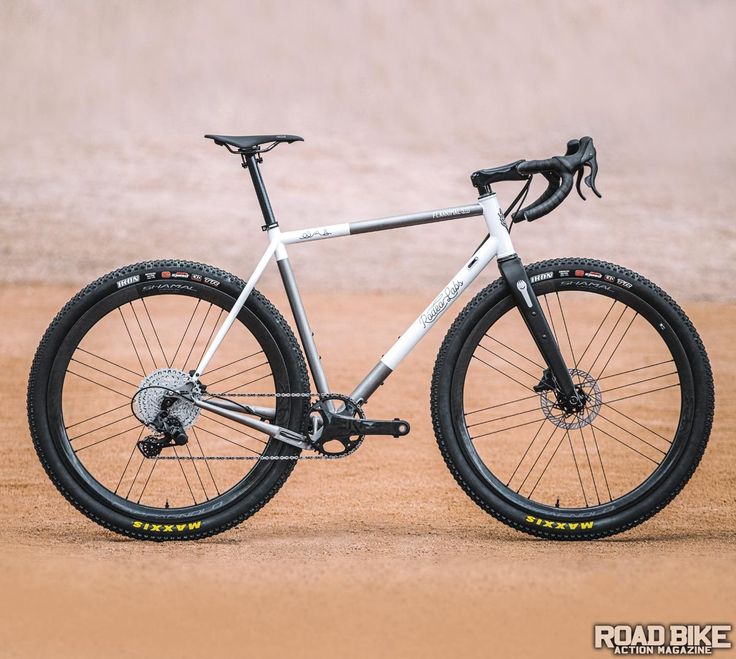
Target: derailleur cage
x=170, y=433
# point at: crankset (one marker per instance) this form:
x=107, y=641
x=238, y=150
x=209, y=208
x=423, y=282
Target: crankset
x=337, y=420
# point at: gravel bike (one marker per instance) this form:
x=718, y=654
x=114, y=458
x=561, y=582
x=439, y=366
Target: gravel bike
x=571, y=399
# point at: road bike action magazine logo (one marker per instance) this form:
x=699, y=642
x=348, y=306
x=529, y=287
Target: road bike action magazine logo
x=662, y=639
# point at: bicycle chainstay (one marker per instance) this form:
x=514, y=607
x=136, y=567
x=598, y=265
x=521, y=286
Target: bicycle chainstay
x=320, y=456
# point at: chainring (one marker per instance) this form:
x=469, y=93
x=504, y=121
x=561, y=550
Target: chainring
x=316, y=433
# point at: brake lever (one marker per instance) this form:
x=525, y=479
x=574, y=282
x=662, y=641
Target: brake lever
x=590, y=178
x=592, y=163
x=579, y=180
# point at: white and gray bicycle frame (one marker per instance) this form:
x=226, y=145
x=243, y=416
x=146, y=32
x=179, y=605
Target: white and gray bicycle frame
x=498, y=244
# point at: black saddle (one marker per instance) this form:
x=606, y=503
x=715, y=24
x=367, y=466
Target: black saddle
x=252, y=143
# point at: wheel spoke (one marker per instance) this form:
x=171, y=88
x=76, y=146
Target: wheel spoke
x=604, y=340
x=564, y=323
x=206, y=462
x=632, y=370
x=492, y=407
x=186, y=329
x=546, y=466
x=117, y=434
x=184, y=473
x=196, y=338
x=229, y=377
x=219, y=368
x=115, y=391
x=631, y=384
x=599, y=429
x=495, y=432
x=613, y=352
x=155, y=333
x=536, y=434
x=598, y=329
x=196, y=471
x=135, y=446
x=608, y=338
x=245, y=384
x=626, y=430
x=114, y=377
x=130, y=336
x=135, y=478
x=600, y=459
x=92, y=354
x=145, y=340
x=527, y=387
x=145, y=485
x=516, y=352
x=500, y=418
x=536, y=460
x=89, y=432
x=641, y=425
x=518, y=368
x=643, y=393
x=590, y=466
x=114, y=409
x=575, y=460
x=247, y=448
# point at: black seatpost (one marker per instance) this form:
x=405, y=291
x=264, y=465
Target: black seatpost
x=250, y=162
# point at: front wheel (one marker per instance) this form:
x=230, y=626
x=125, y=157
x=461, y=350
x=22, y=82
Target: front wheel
x=649, y=402
x=99, y=379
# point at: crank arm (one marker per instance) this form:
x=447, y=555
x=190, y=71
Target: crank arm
x=351, y=425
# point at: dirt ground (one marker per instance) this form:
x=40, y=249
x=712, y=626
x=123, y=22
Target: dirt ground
x=377, y=555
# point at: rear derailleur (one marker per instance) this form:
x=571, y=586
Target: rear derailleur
x=169, y=432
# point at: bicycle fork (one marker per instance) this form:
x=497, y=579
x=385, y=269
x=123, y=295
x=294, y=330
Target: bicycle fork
x=557, y=376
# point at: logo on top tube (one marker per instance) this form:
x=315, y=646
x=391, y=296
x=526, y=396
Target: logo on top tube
x=311, y=233
x=440, y=303
x=451, y=212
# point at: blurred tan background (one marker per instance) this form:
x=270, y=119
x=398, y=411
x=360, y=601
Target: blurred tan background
x=102, y=163
x=104, y=105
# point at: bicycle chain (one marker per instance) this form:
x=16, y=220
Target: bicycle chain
x=321, y=456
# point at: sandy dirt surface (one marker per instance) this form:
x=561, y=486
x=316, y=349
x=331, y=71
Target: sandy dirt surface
x=377, y=555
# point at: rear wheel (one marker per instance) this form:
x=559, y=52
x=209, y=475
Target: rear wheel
x=105, y=363
x=645, y=374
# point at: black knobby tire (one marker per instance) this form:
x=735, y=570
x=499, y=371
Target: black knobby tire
x=689, y=387
x=259, y=320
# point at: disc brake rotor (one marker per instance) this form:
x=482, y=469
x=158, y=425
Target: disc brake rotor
x=586, y=384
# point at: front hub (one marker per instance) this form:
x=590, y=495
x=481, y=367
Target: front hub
x=573, y=414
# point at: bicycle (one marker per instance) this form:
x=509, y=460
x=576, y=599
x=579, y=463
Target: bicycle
x=571, y=399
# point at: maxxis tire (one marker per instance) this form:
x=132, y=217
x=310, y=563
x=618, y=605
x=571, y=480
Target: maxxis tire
x=270, y=479
x=492, y=499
